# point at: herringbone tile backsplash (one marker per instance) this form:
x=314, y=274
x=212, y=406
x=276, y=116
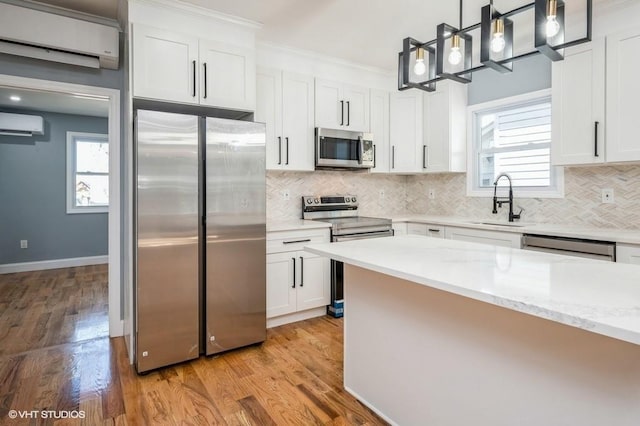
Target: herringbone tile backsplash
x=581, y=205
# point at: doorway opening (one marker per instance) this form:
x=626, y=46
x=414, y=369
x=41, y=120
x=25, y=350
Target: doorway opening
x=64, y=227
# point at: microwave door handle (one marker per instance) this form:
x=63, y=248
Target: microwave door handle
x=360, y=148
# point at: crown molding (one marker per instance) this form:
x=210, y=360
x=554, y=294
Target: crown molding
x=200, y=11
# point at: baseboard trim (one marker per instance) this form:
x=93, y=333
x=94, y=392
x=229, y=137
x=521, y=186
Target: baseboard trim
x=11, y=268
x=296, y=316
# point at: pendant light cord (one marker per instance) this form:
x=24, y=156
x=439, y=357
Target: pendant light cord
x=460, y=27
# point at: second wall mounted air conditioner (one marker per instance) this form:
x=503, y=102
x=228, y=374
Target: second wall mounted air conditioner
x=21, y=124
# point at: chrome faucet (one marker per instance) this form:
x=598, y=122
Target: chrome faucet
x=497, y=202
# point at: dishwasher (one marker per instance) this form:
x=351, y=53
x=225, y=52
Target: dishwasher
x=592, y=249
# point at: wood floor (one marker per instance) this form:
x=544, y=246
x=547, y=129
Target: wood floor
x=294, y=378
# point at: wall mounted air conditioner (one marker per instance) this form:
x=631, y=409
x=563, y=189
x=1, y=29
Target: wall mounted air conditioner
x=42, y=35
x=21, y=124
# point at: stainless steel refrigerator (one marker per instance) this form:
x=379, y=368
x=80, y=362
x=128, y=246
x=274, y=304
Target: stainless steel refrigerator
x=200, y=236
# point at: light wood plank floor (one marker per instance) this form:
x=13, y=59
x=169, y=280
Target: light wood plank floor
x=294, y=378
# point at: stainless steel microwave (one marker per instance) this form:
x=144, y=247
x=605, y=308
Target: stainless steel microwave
x=343, y=149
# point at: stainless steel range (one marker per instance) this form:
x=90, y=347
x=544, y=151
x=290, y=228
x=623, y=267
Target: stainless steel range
x=341, y=211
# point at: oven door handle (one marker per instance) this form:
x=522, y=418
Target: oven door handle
x=341, y=238
x=360, y=149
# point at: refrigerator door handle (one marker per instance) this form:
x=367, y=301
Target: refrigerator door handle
x=301, y=271
x=294, y=272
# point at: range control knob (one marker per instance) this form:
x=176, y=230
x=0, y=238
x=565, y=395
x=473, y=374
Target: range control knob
x=353, y=199
x=309, y=201
x=347, y=199
x=317, y=201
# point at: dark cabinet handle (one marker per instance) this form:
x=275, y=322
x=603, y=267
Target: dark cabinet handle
x=424, y=156
x=596, y=139
x=342, y=113
x=205, y=80
x=287, y=143
x=434, y=230
x=393, y=156
x=297, y=241
x=348, y=114
x=194, y=78
x=294, y=272
x=279, y=149
x=301, y=271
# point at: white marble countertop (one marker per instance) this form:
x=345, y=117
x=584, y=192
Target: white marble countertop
x=628, y=236
x=295, y=225
x=597, y=296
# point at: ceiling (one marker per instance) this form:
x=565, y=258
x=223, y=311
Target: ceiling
x=32, y=100
x=367, y=32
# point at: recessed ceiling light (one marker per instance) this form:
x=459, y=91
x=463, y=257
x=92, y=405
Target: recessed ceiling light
x=15, y=98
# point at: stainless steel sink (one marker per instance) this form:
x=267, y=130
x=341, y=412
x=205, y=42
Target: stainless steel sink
x=508, y=224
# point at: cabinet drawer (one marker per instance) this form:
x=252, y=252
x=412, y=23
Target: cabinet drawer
x=278, y=242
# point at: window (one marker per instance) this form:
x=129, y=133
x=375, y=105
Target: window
x=513, y=136
x=87, y=173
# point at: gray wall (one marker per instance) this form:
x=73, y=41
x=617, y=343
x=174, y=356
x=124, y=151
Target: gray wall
x=529, y=74
x=33, y=193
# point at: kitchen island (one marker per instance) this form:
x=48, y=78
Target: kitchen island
x=442, y=332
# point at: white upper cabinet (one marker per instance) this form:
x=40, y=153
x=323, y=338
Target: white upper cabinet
x=379, y=107
x=174, y=67
x=405, y=132
x=165, y=65
x=445, y=142
x=595, y=102
x=578, y=105
x=341, y=106
x=285, y=103
x=623, y=94
x=228, y=76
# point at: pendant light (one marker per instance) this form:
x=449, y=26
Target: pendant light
x=496, y=44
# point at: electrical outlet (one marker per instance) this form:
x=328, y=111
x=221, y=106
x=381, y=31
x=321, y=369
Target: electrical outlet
x=432, y=194
x=286, y=195
x=24, y=244
x=607, y=196
x=381, y=193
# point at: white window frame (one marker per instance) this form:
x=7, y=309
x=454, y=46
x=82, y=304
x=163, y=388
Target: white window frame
x=71, y=172
x=473, y=187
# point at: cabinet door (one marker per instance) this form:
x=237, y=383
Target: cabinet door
x=281, y=294
x=313, y=285
x=495, y=238
x=623, y=92
x=165, y=65
x=405, y=132
x=269, y=111
x=228, y=76
x=416, y=229
x=297, y=122
x=329, y=108
x=356, y=109
x=578, y=106
x=445, y=129
x=379, y=107
x=628, y=254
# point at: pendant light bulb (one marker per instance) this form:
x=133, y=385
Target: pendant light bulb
x=455, y=56
x=497, y=42
x=553, y=26
x=419, y=68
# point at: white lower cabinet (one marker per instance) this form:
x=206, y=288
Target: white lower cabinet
x=426, y=229
x=399, y=228
x=496, y=238
x=628, y=253
x=297, y=281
